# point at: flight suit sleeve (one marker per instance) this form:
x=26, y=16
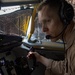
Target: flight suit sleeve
x=72, y=60
x=55, y=68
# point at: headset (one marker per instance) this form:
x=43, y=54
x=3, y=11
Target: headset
x=66, y=12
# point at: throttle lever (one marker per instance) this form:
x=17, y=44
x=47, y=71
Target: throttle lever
x=33, y=58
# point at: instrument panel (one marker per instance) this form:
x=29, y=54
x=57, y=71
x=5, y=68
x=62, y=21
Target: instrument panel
x=7, y=42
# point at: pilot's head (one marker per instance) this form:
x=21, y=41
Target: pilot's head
x=55, y=16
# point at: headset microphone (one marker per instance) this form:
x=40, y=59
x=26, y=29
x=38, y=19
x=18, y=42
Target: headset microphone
x=48, y=36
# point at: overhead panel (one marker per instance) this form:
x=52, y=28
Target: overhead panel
x=17, y=2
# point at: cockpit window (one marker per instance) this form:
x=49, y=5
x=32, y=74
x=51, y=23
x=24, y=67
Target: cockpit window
x=10, y=9
x=13, y=23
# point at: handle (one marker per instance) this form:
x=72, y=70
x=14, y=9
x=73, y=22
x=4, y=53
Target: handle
x=33, y=58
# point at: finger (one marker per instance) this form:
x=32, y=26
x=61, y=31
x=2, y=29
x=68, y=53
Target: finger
x=29, y=54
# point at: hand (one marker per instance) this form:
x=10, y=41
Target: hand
x=37, y=55
x=45, y=61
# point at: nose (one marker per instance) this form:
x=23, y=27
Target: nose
x=44, y=28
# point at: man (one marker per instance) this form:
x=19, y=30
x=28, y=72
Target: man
x=56, y=18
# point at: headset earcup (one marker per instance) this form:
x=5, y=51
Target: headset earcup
x=66, y=13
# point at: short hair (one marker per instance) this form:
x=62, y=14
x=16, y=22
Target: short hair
x=61, y=7
x=55, y=4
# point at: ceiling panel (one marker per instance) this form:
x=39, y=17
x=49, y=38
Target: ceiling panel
x=17, y=0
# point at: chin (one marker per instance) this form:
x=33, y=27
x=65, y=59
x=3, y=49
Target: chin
x=54, y=40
